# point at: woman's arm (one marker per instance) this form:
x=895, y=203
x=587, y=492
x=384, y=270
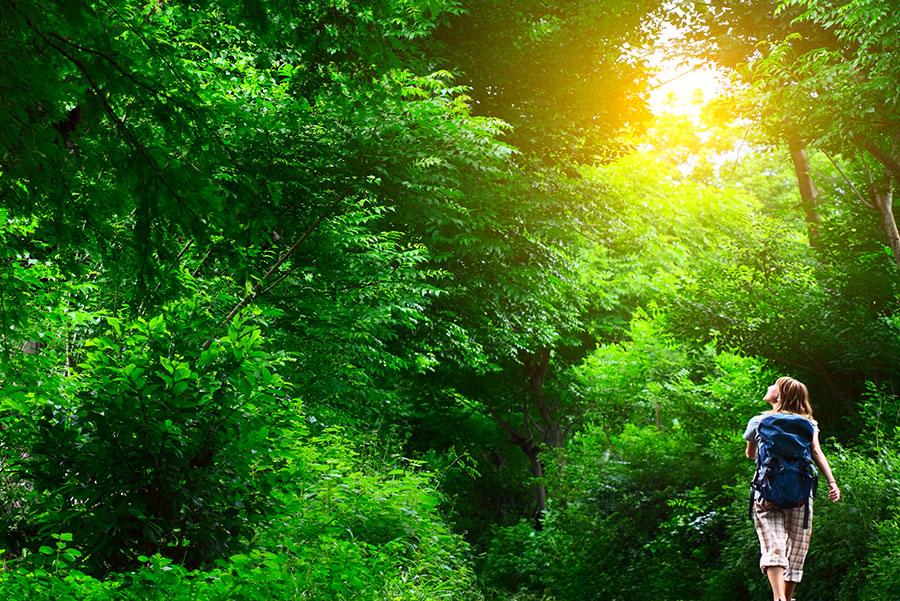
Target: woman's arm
x=750, y=451
x=834, y=493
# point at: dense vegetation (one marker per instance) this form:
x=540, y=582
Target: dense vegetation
x=417, y=299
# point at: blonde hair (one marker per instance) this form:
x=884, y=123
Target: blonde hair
x=793, y=397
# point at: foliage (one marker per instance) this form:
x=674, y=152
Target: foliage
x=343, y=529
x=324, y=300
x=636, y=507
x=559, y=72
x=169, y=428
x=847, y=91
x=206, y=457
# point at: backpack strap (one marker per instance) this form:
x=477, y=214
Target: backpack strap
x=806, y=514
x=751, y=501
x=815, y=487
x=759, y=471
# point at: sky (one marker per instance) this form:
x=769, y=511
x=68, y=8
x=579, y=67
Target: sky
x=678, y=86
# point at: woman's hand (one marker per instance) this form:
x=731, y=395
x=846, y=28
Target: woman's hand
x=834, y=493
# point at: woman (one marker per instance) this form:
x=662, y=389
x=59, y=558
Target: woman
x=782, y=538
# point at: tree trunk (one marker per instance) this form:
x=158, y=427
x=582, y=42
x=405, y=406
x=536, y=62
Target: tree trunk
x=882, y=196
x=548, y=427
x=541, y=427
x=536, y=368
x=809, y=196
x=889, y=160
x=883, y=200
x=532, y=451
x=540, y=489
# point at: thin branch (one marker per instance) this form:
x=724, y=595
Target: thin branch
x=200, y=264
x=873, y=190
x=280, y=279
x=679, y=76
x=120, y=123
x=184, y=250
x=514, y=435
x=847, y=179
x=889, y=162
x=187, y=87
x=115, y=65
x=159, y=283
x=333, y=290
x=258, y=288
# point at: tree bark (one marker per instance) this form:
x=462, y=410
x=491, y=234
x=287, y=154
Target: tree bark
x=540, y=489
x=532, y=451
x=536, y=368
x=883, y=201
x=541, y=427
x=891, y=164
x=882, y=194
x=809, y=196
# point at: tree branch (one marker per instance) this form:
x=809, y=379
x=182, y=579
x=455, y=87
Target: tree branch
x=129, y=136
x=847, y=179
x=889, y=162
x=258, y=289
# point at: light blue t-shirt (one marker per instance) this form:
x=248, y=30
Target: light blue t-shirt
x=753, y=425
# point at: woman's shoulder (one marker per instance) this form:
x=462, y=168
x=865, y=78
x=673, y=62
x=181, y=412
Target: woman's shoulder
x=764, y=414
x=759, y=416
x=808, y=418
x=755, y=419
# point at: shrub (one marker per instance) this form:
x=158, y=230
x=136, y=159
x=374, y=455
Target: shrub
x=155, y=444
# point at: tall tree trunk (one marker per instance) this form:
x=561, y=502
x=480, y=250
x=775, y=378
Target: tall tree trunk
x=536, y=368
x=541, y=426
x=532, y=450
x=809, y=196
x=540, y=489
x=883, y=195
x=888, y=159
x=883, y=201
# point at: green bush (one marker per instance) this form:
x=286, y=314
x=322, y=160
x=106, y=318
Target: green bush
x=631, y=525
x=650, y=500
x=883, y=570
x=341, y=528
x=156, y=443
x=177, y=468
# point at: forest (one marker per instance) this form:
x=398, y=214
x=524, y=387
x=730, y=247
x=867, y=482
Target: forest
x=421, y=300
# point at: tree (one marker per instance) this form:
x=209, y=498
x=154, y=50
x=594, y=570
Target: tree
x=566, y=75
x=841, y=99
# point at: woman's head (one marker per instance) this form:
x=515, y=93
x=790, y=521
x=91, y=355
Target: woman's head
x=790, y=396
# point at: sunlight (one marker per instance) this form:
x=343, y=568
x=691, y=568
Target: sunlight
x=679, y=87
x=679, y=92
x=683, y=90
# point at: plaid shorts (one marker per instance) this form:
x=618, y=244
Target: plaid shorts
x=782, y=539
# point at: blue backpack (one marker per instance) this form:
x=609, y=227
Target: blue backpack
x=785, y=473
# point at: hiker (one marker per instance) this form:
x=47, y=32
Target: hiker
x=781, y=499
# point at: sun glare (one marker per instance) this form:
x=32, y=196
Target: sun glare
x=679, y=87
x=683, y=90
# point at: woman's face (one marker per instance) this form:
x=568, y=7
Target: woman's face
x=771, y=394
